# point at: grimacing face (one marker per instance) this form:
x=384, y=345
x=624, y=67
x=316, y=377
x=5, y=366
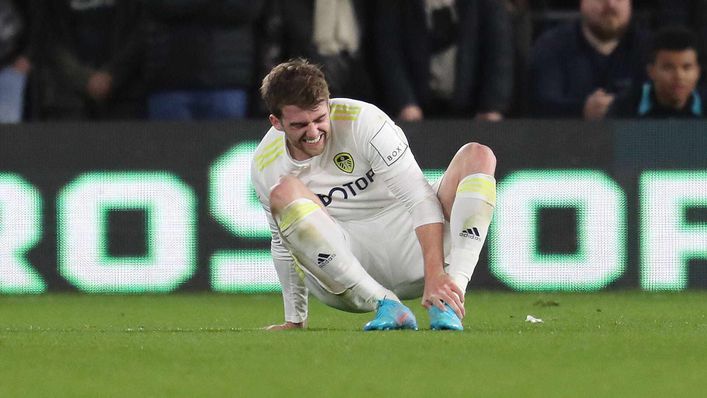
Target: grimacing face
x=674, y=75
x=306, y=130
x=606, y=19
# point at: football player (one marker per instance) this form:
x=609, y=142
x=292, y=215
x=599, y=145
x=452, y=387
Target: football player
x=353, y=219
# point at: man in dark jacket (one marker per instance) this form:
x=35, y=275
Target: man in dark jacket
x=91, y=60
x=577, y=68
x=200, y=58
x=445, y=58
x=673, y=72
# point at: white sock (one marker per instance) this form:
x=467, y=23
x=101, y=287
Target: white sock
x=469, y=223
x=319, y=246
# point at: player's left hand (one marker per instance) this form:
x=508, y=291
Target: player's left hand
x=441, y=289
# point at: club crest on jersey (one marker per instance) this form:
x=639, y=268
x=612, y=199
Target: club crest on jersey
x=344, y=161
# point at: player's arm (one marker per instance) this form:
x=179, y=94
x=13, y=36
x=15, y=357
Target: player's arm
x=294, y=295
x=294, y=292
x=411, y=187
x=439, y=286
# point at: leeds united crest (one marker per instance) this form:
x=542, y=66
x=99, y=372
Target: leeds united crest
x=344, y=162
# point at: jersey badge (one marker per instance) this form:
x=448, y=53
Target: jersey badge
x=344, y=161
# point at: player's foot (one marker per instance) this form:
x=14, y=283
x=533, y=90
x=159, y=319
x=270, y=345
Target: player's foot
x=444, y=320
x=392, y=315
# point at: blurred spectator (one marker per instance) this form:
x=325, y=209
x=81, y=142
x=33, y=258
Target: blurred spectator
x=549, y=14
x=14, y=61
x=330, y=33
x=689, y=13
x=93, y=56
x=200, y=58
x=521, y=21
x=577, y=68
x=445, y=58
x=673, y=73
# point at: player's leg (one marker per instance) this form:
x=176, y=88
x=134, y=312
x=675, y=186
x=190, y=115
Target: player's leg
x=389, y=251
x=319, y=245
x=468, y=196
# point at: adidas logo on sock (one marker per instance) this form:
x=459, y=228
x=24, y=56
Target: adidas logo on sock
x=324, y=259
x=472, y=233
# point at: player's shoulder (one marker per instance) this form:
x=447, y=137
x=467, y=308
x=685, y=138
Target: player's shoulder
x=269, y=150
x=351, y=110
x=357, y=120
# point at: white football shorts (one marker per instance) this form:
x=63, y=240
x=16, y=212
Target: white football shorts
x=388, y=249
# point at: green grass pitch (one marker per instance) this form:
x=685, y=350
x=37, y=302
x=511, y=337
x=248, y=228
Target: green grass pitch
x=619, y=344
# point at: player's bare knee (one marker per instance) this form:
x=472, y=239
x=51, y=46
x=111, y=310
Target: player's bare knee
x=284, y=192
x=477, y=158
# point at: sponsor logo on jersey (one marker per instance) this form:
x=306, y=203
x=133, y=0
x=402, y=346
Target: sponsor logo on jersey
x=324, y=259
x=344, y=161
x=389, y=144
x=472, y=233
x=352, y=188
x=394, y=154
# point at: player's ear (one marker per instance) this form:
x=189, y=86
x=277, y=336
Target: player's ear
x=275, y=122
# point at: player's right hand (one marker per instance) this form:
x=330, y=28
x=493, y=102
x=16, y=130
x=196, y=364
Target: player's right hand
x=440, y=290
x=287, y=326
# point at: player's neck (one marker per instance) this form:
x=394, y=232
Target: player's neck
x=297, y=154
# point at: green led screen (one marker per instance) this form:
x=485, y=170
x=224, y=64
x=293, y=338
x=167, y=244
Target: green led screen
x=154, y=208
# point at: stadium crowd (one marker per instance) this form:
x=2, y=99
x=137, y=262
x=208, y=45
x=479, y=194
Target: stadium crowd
x=416, y=59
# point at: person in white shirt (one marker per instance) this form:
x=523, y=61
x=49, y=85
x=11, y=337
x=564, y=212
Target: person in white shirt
x=353, y=219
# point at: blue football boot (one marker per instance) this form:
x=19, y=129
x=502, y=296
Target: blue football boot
x=444, y=320
x=392, y=315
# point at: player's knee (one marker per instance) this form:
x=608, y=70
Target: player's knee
x=478, y=158
x=480, y=152
x=283, y=192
